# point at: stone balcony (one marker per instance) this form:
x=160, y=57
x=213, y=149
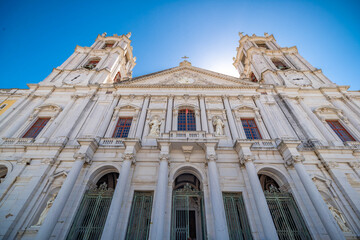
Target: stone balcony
x=112, y=142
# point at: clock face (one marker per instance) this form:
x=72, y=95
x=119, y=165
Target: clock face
x=74, y=78
x=299, y=80
x=186, y=80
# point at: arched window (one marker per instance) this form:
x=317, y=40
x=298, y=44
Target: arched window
x=117, y=78
x=279, y=64
x=91, y=64
x=91, y=216
x=186, y=120
x=253, y=78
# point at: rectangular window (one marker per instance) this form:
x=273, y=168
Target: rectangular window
x=251, y=129
x=236, y=217
x=36, y=128
x=340, y=130
x=140, y=216
x=122, y=128
x=262, y=45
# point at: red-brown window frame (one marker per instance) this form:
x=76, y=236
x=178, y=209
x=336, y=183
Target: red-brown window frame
x=339, y=131
x=122, y=127
x=256, y=127
x=36, y=128
x=117, y=77
x=253, y=77
x=189, y=126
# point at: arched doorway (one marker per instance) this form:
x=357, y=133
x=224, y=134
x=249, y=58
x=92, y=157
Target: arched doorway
x=91, y=216
x=188, y=212
x=287, y=218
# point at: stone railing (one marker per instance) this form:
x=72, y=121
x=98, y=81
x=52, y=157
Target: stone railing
x=187, y=135
x=353, y=144
x=115, y=142
x=263, y=143
x=17, y=141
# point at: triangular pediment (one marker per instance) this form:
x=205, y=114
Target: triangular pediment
x=187, y=76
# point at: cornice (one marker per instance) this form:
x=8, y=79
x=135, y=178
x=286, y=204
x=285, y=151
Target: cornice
x=191, y=68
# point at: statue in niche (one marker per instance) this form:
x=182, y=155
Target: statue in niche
x=155, y=127
x=46, y=210
x=339, y=218
x=219, y=126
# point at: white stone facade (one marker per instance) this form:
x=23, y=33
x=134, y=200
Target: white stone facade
x=290, y=105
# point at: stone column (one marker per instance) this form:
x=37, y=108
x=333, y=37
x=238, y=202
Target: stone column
x=59, y=118
x=325, y=132
x=25, y=118
x=61, y=199
x=169, y=114
x=203, y=114
x=105, y=124
x=157, y=229
x=218, y=210
x=308, y=133
x=246, y=158
x=351, y=195
x=292, y=157
x=131, y=147
x=142, y=118
x=117, y=199
x=230, y=117
x=71, y=121
x=265, y=116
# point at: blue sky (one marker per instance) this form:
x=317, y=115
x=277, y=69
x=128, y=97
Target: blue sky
x=36, y=36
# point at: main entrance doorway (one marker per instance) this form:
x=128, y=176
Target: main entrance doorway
x=188, y=215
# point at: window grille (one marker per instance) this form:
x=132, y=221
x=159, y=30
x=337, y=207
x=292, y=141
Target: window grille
x=140, y=216
x=251, y=129
x=36, y=128
x=288, y=221
x=236, y=217
x=122, y=128
x=91, y=216
x=186, y=120
x=253, y=78
x=340, y=130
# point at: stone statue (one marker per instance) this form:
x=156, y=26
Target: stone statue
x=219, y=125
x=46, y=210
x=339, y=218
x=155, y=127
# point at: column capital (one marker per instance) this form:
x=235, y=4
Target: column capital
x=129, y=157
x=289, y=162
x=82, y=157
x=211, y=157
x=256, y=97
x=164, y=157
x=246, y=158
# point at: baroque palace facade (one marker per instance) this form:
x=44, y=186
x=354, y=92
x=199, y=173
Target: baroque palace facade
x=184, y=153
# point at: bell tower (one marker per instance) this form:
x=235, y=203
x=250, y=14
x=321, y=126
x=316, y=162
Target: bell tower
x=109, y=60
x=261, y=59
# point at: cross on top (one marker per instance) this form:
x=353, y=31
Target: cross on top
x=185, y=57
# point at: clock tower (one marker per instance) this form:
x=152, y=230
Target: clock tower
x=108, y=60
x=261, y=59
